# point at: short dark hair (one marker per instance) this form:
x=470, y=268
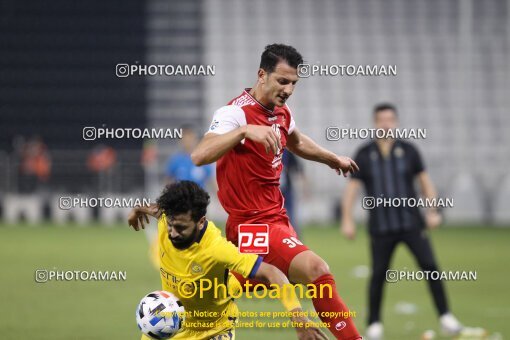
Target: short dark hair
x=383, y=107
x=182, y=197
x=275, y=53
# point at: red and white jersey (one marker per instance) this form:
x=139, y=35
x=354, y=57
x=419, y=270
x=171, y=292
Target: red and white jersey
x=248, y=177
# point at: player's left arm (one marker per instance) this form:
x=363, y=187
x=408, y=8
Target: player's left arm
x=272, y=275
x=432, y=216
x=417, y=166
x=251, y=266
x=304, y=147
x=269, y=273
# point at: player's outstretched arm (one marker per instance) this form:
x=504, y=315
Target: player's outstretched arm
x=303, y=146
x=140, y=215
x=214, y=145
x=273, y=275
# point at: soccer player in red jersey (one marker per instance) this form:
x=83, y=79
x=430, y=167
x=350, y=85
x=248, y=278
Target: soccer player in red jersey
x=246, y=139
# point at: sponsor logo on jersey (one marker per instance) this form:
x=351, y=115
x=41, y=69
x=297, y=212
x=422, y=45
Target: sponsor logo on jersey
x=215, y=123
x=244, y=100
x=277, y=160
x=253, y=238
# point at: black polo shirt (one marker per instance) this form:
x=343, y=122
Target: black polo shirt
x=390, y=177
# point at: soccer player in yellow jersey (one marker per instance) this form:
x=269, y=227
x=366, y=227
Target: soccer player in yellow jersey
x=194, y=256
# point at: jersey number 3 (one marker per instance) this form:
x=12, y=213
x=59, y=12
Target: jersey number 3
x=292, y=242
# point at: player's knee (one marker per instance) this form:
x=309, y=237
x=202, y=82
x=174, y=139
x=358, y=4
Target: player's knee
x=318, y=267
x=307, y=267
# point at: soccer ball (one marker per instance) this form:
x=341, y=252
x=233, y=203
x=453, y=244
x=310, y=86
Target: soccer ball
x=160, y=315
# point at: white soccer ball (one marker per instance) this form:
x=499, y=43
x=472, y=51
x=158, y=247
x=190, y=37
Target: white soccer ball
x=160, y=315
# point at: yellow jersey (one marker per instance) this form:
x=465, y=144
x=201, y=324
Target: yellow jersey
x=191, y=274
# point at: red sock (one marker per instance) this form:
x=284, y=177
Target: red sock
x=341, y=327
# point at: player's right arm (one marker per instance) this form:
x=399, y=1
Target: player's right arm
x=213, y=145
x=138, y=216
x=348, y=227
x=228, y=129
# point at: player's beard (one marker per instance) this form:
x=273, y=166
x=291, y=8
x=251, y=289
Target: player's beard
x=186, y=243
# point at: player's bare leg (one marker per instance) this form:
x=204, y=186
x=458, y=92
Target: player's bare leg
x=308, y=267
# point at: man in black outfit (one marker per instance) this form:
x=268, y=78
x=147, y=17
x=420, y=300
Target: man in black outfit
x=388, y=168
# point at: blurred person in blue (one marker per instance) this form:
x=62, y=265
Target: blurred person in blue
x=180, y=167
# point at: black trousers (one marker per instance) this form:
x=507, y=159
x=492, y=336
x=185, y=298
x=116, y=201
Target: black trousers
x=383, y=248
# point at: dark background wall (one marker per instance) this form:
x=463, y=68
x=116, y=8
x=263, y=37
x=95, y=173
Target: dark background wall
x=57, y=69
x=57, y=75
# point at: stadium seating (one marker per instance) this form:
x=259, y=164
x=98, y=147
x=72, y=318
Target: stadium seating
x=443, y=84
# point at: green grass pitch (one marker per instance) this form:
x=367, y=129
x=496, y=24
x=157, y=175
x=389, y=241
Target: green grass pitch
x=106, y=310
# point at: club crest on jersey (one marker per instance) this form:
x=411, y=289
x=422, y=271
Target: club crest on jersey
x=399, y=152
x=277, y=160
x=196, y=268
x=215, y=123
